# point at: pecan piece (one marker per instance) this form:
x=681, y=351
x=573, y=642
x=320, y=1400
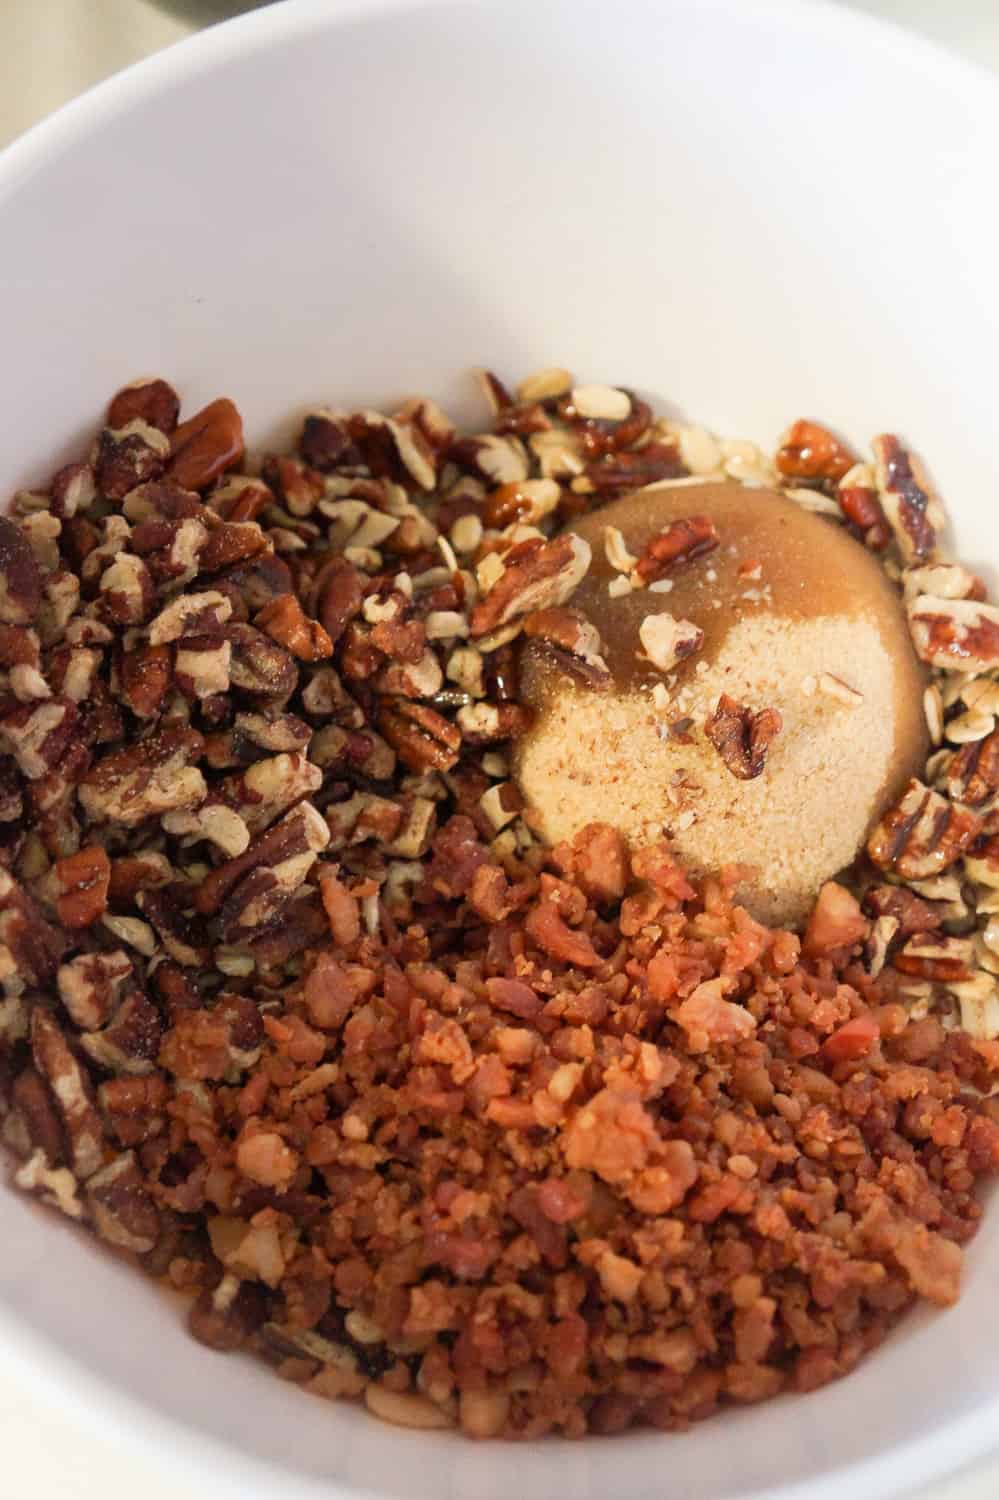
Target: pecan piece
x=82, y=881
x=945, y=960
x=810, y=451
x=71, y=1093
x=910, y=912
x=145, y=677
x=487, y=723
x=190, y=615
x=325, y=443
x=126, y=588
x=34, y=944
x=571, y=643
x=92, y=985
x=259, y=665
x=422, y=739
x=957, y=635
x=153, y=401
x=127, y=456
x=20, y=576
x=253, y=890
x=973, y=772
x=121, y=1209
x=206, y=445
x=668, y=641
x=338, y=593
x=535, y=575
x=676, y=545
x=71, y=489
x=146, y=778
x=232, y=542
x=284, y=621
x=741, y=736
x=922, y=834
x=631, y=471
x=913, y=509
x=38, y=734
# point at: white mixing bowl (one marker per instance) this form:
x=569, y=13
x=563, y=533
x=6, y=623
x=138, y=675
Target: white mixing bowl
x=757, y=209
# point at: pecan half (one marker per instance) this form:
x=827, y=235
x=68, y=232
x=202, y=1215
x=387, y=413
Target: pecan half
x=957, y=635
x=422, y=739
x=741, y=736
x=676, y=545
x=810, y=451
x=206, y=445
x=913, y=509
x=922, y=834
x=535, y=575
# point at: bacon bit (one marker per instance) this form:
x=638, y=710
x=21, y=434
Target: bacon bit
x=546, y=926
x=853, y=1040
x=836, y=921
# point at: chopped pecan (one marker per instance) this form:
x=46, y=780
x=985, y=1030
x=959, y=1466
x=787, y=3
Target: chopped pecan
x=942, y=581
x=232, y=542
x=420, y=679
x=668, y=641
x=957, y=635
x=145, y=676
x=128, y=456
x=285, y=622
x=20, y=576
x=71, y=489
x=126, y=590
x=940, y=958
x=201, y=614
x=154, y=402
x=536, y=575
x=325, y=443
x=972, y=774
x=129, y=1045
x=38, y=734
x=259, y=665
x=174, y=550
x=34, y=944
x=912, y=507
x=92, y=985
x=809, y=451
x=202, y=666
x=487, y=723
x=741, y=736
x=31, y=1101
x=249, y=892
x=252, y=584
x=240, y=497
x=274, y=731
x=571, y=642
x=212, y=821
x=922, y=834
x=146, y=778
x=678, y=544
x=270, y=787
x=122, y=1211
x=82, y=883
x=910, y=912
x=422, y=739
x=206, y=445
x=337, y=596
x=71, y=1093
x=170, y=909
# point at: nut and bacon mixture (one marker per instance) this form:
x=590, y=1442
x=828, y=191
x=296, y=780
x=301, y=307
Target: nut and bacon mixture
x=300, y=1015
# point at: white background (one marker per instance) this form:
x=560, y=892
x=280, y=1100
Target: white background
x=51, y=50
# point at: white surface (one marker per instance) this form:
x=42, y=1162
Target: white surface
x=351, y=237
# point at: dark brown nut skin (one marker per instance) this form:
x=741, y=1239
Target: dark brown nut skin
x=83, y=880
x=32, y=1102
x=206, y=445
x=153, y=401
x=145, y=677
x=20, y=576
x=325, y=443
x=229, y=1329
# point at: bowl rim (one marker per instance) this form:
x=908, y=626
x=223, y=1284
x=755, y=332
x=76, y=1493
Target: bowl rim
x=57, y=1379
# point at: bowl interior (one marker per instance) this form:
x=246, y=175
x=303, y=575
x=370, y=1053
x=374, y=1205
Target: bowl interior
x=756, y=212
